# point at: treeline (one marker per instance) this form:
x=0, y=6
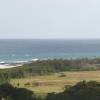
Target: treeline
x=81, y=91
x=43, y=67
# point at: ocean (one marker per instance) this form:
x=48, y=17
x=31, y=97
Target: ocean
x=12, y=50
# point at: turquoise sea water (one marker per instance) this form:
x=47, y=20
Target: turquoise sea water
x=26, y=50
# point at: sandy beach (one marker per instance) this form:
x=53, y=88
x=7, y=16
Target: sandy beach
x=5, y=66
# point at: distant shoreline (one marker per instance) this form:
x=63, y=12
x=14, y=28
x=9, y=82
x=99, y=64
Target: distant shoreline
x=5, y=65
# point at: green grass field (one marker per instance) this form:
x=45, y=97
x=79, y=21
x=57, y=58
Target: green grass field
x=55, y=82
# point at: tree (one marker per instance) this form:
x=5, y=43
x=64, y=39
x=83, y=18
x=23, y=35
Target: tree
x=8, y=92
x=81, y=91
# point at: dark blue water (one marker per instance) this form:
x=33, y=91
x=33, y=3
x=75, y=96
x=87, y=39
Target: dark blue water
x=26, y=50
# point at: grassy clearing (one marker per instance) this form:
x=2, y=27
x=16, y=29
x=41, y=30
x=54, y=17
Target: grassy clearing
x=55, y=82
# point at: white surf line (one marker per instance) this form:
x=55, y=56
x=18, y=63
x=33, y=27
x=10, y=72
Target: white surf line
x=9, y=66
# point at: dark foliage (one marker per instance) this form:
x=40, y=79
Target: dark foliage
x=8, y=92
x=81, y=91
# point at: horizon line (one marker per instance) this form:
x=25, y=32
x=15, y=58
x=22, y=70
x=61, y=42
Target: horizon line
x=49, y=38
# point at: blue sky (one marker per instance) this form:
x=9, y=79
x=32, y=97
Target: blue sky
x=49, y=18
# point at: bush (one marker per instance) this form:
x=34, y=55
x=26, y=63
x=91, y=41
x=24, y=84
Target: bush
x=81, y=91
x=8, y=92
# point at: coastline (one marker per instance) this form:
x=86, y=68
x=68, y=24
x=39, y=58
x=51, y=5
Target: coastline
x=4, y=65
x=13, y=64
